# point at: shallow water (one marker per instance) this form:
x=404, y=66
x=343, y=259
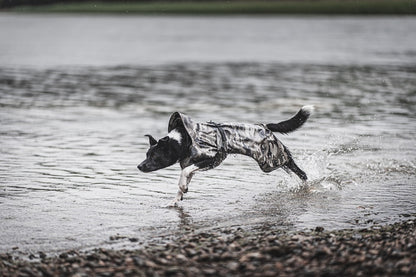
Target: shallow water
x=73, y=116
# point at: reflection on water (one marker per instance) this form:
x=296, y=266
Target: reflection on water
x=71, y=138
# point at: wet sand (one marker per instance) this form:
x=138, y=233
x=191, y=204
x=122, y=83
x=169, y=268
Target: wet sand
x=378, y=251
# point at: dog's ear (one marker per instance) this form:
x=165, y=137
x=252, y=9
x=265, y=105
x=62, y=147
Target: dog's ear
x=152, y=140
x=164, y=140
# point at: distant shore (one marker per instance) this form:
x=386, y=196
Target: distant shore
x=378, y=251
x=318, y=7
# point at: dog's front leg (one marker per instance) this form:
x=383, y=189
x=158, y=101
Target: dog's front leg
x=184, y=179
x=186, y=176
x=188, y=172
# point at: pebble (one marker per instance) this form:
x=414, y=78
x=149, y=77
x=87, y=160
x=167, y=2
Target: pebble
x=42, y=255
x=233, y=266
x=383, y=251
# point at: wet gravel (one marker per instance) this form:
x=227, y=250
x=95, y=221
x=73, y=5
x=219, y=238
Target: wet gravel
x=378, y=251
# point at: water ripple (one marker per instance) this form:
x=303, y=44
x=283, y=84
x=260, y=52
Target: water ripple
x=71, y=140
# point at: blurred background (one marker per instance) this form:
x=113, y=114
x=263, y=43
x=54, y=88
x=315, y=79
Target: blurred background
x=82, y=82
x=336, y=7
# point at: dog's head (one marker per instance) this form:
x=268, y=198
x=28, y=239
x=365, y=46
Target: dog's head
x=161, y=154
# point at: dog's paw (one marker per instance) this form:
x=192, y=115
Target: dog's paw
x=175, y=201
x=172, y=204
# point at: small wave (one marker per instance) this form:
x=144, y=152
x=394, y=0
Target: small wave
x=392, y=166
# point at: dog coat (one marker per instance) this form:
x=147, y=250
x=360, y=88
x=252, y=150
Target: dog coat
x=214, y=141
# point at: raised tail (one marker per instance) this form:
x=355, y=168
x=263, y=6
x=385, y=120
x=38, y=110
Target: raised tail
x=292, y=124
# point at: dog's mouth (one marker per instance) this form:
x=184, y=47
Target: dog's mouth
x=149, y=166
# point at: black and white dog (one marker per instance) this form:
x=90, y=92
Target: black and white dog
x=202, y=146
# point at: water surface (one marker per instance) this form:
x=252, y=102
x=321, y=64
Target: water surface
x=78, y=95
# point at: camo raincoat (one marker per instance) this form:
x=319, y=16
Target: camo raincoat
x=214, y=141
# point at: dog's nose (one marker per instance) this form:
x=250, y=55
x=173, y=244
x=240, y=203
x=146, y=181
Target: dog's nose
x=142, y=167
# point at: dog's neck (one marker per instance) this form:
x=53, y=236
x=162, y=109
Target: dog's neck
x=175, y=135
x=181, y=137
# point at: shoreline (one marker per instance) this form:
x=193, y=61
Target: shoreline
x=379, y=250
x=318, y=7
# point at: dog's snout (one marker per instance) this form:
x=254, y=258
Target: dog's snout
x=143, y=167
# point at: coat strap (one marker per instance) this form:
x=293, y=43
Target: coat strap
x=223, y=145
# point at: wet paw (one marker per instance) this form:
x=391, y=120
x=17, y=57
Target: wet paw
x=172, y=204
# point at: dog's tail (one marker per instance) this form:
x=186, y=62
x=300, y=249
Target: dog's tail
x=292, y=124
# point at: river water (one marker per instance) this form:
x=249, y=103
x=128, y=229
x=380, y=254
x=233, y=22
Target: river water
x=78, y=93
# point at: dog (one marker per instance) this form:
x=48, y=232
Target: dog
x=203, y=146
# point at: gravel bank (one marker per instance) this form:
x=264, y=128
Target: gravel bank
x=379, y=251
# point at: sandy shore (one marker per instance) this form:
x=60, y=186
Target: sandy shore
x=379, y=251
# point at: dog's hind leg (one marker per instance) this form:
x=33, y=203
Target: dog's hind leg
x=294, y=167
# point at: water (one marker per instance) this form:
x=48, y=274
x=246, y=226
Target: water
x=78, y=93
